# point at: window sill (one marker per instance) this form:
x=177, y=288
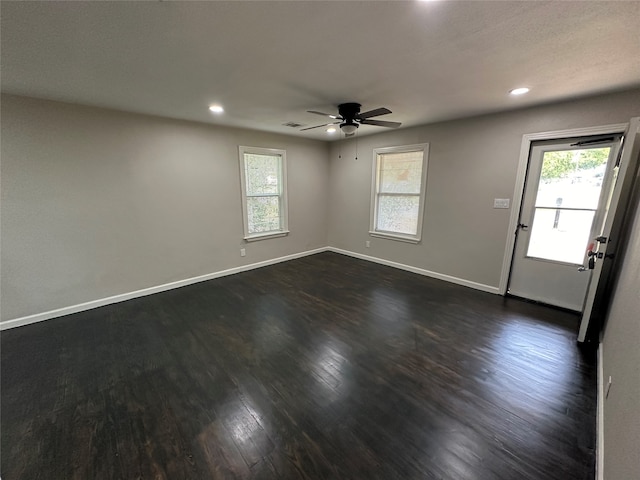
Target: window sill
x=395, y=236
x=265, y=236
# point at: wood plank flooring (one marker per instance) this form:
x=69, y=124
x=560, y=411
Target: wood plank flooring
x=325, y=367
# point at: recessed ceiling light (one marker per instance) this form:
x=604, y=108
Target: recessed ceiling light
x=216, y=108
x=331, y=130
x=519, y=91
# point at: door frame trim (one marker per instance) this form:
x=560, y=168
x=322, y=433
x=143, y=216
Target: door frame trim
x=518, y=191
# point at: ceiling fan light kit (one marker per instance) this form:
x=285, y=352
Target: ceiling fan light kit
x=348, y=128
x=349, y=118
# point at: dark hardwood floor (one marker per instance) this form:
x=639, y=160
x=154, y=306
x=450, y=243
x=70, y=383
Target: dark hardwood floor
x=325, y=367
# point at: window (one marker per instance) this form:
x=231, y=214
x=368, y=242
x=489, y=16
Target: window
x=263, y=174
x=566, y=203
x=397, y=203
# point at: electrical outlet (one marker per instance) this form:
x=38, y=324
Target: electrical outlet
x=243, y=252
x=367, y=244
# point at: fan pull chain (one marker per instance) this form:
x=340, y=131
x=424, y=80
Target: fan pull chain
x=356, y=145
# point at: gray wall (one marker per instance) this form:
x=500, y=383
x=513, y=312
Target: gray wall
x=97, y=203
x=471, y=162
x=621, y=361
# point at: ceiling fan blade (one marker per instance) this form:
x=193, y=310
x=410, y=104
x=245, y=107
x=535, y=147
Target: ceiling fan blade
x=380, y=123
x=324, y=114
x=319, y=126
x=373, y=113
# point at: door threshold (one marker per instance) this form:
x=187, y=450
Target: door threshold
x=537, y=302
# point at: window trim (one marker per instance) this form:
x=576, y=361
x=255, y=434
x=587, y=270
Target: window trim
x=284, y=209
x=375, y=182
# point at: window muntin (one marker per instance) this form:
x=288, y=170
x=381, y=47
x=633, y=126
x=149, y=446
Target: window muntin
x=398, y=192
x=263, y=175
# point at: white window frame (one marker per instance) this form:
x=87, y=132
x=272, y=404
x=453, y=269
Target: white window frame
x=284, y=210
x=424, y=147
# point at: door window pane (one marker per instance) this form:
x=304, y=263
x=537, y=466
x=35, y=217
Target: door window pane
x=560, y=235
x=569, y=179
x=572, y=178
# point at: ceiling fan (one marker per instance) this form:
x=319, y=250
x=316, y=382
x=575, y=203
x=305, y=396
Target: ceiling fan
x=350, y=118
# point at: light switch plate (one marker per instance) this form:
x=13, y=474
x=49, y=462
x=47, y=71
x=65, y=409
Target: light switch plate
x=500, y=203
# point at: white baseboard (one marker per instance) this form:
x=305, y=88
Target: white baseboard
x=39, y=317
x=420, y=271
x=600, y=418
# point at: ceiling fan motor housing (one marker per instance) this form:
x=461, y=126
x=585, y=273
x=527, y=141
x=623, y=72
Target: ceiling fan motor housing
x=349, y=111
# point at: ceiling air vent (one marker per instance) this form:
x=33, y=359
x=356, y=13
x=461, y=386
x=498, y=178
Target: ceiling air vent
x=293, y=124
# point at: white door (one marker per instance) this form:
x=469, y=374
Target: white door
x=607, y=240
x=567, y=190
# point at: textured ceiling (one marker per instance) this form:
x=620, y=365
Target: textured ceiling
x=269, y=62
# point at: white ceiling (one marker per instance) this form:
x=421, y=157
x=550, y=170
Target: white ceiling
x=268, y=62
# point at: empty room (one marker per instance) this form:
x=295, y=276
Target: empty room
x=320, y=240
